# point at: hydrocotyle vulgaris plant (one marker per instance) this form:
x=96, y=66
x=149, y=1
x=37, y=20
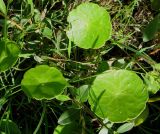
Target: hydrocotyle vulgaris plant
x=118, y=95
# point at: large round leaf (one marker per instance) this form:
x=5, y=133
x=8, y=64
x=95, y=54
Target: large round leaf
x=43, y=82
x=118, y=95
x=90, y=26
x=9, y=52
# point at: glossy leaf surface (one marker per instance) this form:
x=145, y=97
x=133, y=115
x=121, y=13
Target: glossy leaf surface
x=43, y=82
x=90, y=26
x=114, y=95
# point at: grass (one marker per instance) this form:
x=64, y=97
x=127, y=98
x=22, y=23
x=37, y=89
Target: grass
x=27, y=28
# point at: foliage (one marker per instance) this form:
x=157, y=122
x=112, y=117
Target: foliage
x=79, y=67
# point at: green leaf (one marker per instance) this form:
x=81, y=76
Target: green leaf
x=103, y=66
x=118, y=95
x=43, y=82
x=8, y=55
x=155, y=4
x=152, y=28
x=125, y=127
x=142, y=117
x=9, y=127
x=82, y=93
x=62, y=98
x=72, y=128
x=30, y=3
x=104, y=130
x=3, y=7
x=152, y=80
x=69, y=116
x=47, y=32
x=156, y=67
x=90, y=26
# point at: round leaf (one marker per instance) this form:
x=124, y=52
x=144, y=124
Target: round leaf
x=90, y=26
x=8, y=55
x=43, y=82
x=118, y=95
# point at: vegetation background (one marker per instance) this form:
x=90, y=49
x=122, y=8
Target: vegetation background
x=39, y=28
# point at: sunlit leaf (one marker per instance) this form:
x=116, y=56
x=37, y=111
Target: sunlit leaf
x=47, y=32
x=125, y=127
x=152, y=80
x=3, y=7
x=90, y=26
x=62, y=97
x=118, y=95
x=43, y=82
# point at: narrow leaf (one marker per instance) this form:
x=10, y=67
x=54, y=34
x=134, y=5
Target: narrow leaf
x=3, y=7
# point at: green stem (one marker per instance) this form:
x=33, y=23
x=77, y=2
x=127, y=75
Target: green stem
x=42, y=117
x=5, y=28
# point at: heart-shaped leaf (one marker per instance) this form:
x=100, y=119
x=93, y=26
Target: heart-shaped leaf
x=9, y=52
x=90, y=26
x=118, y=95
x=43, y=82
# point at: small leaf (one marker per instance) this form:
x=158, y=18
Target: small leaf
x=63, y=98
x=82, y=93
x=43, y=82
x=115, y=93
x=152, y=28
x=90, y=26
x=72, y=128
x=69, y=116
x=156, y=67
x=104, y=130
x=3, y=7
x=125, y=127
x=8, y=55
x=152, y=81
x=9, y=127
x=47, y=32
